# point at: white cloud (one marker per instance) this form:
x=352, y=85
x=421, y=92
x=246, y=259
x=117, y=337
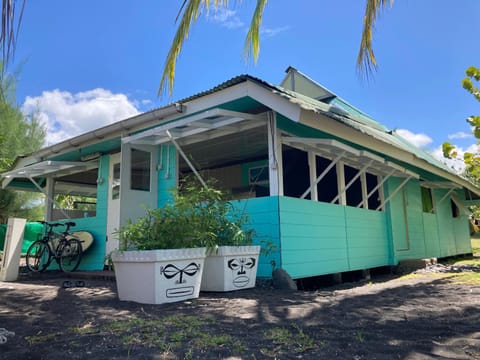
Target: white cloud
x=271, y=32
x=460, y=135
x=66, y=115
x=419, y=140
x=227, y=18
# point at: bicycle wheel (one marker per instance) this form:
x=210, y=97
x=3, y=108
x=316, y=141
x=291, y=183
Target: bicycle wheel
x=69, y=255
x=38, y=256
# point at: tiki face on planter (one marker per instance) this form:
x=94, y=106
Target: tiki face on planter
x=241, y=270
x=180, y=279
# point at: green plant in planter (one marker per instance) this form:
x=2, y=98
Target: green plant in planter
x=195, y=217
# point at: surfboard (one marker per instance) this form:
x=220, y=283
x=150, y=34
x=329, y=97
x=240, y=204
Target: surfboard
x=85, y=237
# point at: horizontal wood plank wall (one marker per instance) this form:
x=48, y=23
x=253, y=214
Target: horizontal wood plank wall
x=167, y=173
x=408, y=233
x=432, y=241
x=263, y=217
x=316, y=237
x=446, y=228
x=367, y=238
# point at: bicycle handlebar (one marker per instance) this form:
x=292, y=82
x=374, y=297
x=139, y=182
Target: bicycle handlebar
x=67, y=225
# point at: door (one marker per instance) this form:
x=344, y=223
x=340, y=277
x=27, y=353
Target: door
x=139, y=179
x=113, y=211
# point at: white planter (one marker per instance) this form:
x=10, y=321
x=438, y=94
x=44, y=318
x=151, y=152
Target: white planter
x=158, y=276
x=231, y=268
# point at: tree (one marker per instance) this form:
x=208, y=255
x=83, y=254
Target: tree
x=190, y=10
x=19, y=135
x=472, y=161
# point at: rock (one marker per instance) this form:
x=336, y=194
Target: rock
x=4, y=334
x=281, y=280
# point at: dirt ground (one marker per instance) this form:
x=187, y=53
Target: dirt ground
x=422, y=316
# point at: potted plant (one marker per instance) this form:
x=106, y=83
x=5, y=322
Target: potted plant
x=162, y=253
x=232, y=260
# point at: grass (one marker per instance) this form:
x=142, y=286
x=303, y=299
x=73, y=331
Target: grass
x=476, y=245
x=168, y=335
x=287, y=340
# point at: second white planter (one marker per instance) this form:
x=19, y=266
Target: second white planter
x=230, y=268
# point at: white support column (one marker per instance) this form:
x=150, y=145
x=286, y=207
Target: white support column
x=275, y=172
x=363, y=181
x=341, y=196
x=49, y=188
x=344, y=188
x=312, y=165
x=380, y=182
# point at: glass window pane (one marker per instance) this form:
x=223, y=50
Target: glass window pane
x=116, y=181
x=140, y=171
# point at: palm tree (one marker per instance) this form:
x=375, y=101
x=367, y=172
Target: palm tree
x=189, y=12
x=11, y=19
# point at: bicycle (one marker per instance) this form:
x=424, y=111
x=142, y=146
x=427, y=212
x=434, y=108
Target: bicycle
x=64, y=248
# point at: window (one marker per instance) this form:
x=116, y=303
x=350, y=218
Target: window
x=455, y=209
x=374, y=201
x=327, y=187
x=140, y=172
x=354, y=192
x=427, y=200
x=258, y=175
x=116, y=182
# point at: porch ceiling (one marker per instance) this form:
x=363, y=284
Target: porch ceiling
x=200, y=127
x=331, y=149
x=227, y=149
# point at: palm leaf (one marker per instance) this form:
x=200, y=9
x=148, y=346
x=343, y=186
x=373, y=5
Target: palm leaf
x=11, y=20
x=191, y=9
x=366, y=61
x=252, y=42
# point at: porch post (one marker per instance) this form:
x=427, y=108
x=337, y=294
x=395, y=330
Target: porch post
x=275, y=169
x=49, y=198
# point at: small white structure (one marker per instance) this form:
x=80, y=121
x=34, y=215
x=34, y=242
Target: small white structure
x=13, y=246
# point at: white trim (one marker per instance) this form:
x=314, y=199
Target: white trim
x=273, y=164
x=49, y=167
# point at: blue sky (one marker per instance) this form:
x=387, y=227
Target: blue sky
x=88, y=63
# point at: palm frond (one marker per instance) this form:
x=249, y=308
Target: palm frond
x=11, y=19
x=191, y=9
x=252, y=41
x=366, y=61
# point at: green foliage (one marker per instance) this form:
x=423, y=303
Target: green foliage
x=472, y=161
x=448, y=150
x=19, y=135
x=196, y=217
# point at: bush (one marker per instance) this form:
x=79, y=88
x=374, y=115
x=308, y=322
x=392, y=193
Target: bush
x=196, y=217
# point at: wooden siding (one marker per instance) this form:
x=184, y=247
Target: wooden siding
x=263, y=216
x=321, y=238
x=425, y=235
x=167, y=173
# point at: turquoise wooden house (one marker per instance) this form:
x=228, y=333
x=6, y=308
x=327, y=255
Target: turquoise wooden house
x=329, y=187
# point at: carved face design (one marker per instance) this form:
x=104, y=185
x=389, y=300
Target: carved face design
x=180, y=277
x=241, y=270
